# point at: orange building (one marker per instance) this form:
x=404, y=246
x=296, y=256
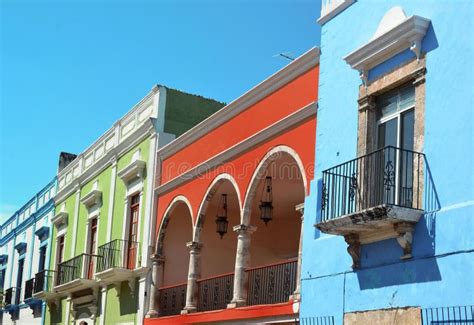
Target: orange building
x=228, y=202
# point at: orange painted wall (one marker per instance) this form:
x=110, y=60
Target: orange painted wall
x=301, y=139
x=290, y=98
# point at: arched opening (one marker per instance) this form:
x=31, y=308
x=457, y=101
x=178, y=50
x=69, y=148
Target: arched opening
x=176, y=231
x=217, y=253
x=274, y=245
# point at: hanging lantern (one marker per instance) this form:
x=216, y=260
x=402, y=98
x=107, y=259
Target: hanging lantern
x=266, y=206
x=221, y=217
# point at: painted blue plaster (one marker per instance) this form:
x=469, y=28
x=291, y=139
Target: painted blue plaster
x=440, y=272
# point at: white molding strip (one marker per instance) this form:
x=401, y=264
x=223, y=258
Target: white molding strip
x=277, y=128
x=331, y=8
x=296, y=68
x=127, y=144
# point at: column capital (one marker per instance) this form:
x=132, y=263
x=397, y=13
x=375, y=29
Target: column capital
x=158, y=259
x=244, y=229
x=194, y=246
x=300, y=209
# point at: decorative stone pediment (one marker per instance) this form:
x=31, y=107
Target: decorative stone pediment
x=60, y=219
x=21, y=247
x=42, y=233
x=133, y=170
x=3, y=259
x=395, y=33
x=94, y=197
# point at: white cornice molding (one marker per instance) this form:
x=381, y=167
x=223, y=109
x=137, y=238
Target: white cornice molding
x=133, y=170
x=299, y=66
x=330, y=9
x=408, y=32
x=60, y=219
x=126, y=145
x=275, y=129
x=121, y=130
x=92, y=198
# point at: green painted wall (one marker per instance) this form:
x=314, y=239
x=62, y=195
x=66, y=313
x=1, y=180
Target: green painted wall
x=184, y=110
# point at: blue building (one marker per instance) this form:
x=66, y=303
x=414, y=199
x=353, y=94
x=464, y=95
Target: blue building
x=25, y=243
x=388, y=229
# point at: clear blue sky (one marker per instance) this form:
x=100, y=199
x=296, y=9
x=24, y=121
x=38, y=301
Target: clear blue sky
x=69, y=69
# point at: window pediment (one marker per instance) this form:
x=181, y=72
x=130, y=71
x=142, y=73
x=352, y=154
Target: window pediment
x=60, y=219
x=94, y=197
x=395, y=33
x=133, y=170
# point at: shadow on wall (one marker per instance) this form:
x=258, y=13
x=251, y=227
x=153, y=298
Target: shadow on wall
x=128, y=299
x=385, y=255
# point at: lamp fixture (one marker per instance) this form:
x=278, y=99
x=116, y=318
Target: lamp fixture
x=221, y=217
x=266, y=202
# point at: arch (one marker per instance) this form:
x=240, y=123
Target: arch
x=164, y=222
x=210, y=192
x=270, y=156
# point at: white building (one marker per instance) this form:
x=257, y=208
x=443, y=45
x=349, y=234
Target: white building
x=24, y=253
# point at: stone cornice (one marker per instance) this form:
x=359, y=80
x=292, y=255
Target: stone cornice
x=92, y=198
x=299, y=66
x=277, y=128
x=407, y=34
x=133, y=170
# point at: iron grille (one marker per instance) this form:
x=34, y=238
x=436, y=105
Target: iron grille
x=172, y=300
x=459, y=315
x=44, y=281
x=216, y=292
x=118, y=254
x=79, y=267
x=272, y=284
x=320, y=320
x=387, y=176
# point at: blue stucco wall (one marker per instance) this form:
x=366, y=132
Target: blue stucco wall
x=441, y=270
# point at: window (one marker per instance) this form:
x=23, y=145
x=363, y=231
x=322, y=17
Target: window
x=19, y=279
x=60, y=254
x=42, y=258
x=92, y=247
x=396, y=124
x=133, y=231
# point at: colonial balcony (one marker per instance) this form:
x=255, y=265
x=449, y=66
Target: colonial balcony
x=374, y=197
x=269, y=284
x=43, y=285
x=118, y=262
x=12, y=298
x=29, y=286
x=77, y=274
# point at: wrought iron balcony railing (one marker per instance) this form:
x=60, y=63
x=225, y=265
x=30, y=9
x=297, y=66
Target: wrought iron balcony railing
x=12, y=296
x=215, y=292
x=172, y=299
x=44, y=281
x=390, y=176
x=272, y=284
x=79, y=267
x=118, y=254
x=29, y=286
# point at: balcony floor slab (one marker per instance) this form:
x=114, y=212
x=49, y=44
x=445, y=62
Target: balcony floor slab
x=373, y=224
x=76, y=285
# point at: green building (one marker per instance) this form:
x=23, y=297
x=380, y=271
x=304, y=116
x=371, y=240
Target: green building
x=99, y=265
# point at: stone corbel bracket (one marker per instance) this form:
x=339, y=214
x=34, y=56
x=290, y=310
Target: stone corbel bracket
x=405, y=238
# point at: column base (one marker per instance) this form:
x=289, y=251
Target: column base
x=151, y=314
x=188, y=310
x=237, y=304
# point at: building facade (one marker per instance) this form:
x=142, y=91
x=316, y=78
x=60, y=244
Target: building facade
x=229, y=197
x=100, y=241
x=25, y=244
x=388, y=226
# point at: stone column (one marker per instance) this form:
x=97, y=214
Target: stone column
x=194, y=273
x=242, y=262
x=297, y=294
x=157, y=276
